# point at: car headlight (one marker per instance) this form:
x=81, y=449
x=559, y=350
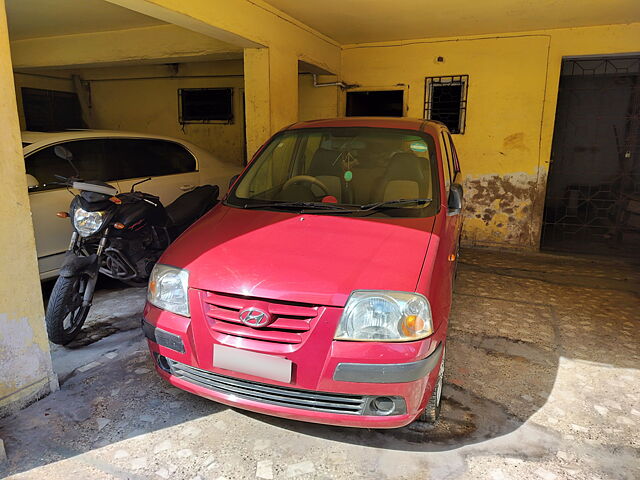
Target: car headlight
x=168, y=289
x=87, y=223
x=385, y=316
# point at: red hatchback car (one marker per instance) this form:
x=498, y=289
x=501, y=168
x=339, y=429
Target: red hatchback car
x=319, y=289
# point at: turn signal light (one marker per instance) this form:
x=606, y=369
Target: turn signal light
x=116, y=200
x=411, y=324
x=119, y=225
x=62, y=215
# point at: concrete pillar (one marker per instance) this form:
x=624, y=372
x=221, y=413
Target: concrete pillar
x=271, y=93
x=25, y=363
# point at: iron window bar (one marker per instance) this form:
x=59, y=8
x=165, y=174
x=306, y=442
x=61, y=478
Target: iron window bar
x=451, y=111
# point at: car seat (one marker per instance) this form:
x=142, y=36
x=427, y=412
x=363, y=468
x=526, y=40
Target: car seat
x=327, y=168
x=405, y=178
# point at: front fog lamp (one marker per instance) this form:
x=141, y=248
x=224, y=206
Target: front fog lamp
x=87, y=223
x=385, y=316
x=168, y=288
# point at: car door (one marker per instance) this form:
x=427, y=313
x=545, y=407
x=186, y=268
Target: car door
x=453, y=221
x=173, y=169
x=52, y=234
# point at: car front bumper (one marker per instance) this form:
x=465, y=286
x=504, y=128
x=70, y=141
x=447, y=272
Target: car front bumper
x=331, y=385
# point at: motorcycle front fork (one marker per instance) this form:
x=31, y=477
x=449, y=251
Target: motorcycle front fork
x=89, y=288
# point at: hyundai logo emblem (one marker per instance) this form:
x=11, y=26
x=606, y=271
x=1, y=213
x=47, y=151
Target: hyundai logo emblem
x=254, y=317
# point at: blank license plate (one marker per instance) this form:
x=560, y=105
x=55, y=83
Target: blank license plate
x=251, y=363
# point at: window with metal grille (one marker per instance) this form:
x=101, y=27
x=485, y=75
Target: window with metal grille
x=50, y=110
x=203, y=105
x=375, y=103
x=446, y=101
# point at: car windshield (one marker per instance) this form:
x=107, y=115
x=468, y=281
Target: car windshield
x=351, y=169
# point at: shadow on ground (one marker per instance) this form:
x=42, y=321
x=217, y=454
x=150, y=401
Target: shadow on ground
x=526, y=333
x=513, y=318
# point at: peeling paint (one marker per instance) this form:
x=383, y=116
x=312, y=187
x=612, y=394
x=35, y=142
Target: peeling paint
x=17, y=344
x=498, y=209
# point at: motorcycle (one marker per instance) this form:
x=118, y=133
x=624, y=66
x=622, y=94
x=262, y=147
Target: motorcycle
x=119, y=235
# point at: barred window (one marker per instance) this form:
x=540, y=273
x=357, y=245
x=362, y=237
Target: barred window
x=446, y=101
x=50, y=110
x=203, y=105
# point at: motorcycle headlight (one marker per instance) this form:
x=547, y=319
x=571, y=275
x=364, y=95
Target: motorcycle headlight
x=87, y=223
x=385, y=316
x=168, y=288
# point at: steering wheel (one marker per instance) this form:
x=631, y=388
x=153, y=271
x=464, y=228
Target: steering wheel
x=306, y=179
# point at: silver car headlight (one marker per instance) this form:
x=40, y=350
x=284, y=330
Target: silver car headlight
x=87, y=223
x=168, y=289
x=385, y=316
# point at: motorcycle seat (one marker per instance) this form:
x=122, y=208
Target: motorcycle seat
x=192, y=205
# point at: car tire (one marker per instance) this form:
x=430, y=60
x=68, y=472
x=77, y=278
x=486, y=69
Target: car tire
x=432, y=411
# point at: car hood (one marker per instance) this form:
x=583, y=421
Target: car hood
x=313, y=259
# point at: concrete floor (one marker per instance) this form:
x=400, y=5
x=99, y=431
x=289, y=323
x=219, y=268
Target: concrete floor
x=542, y=382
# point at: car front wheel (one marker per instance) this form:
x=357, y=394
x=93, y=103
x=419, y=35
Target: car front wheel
x=432, y=410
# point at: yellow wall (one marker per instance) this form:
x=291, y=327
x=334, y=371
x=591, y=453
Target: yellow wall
x=513, y=87
x=25, y=363
x=316, y=102
x=145, y=99
x=271, y=89
x=274, y=43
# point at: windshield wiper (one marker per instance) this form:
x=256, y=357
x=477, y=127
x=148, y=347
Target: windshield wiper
x=395, y=203
x=296, y=205
x=316, y=207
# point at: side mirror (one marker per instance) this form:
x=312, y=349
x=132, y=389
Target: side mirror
x=454, y=203
x=233, y=180
x=32, y=182
x=63, y=153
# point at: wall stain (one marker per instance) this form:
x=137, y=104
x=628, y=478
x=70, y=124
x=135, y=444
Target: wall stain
x=498, y=209
x=514, y=142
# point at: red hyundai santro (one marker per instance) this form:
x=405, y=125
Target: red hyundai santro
x=319, y=289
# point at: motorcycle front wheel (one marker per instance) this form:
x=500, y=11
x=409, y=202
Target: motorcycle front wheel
x=65, y=312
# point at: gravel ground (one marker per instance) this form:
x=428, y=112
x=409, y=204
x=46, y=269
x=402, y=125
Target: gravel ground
x=542, y=382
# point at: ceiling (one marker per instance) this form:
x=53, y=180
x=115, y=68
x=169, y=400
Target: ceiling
x=44, y=18
x=346, y=21
x=361, y=21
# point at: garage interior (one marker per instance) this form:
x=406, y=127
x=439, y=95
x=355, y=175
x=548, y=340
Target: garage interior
x=543, y=101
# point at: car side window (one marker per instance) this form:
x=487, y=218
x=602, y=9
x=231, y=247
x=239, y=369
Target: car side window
x=139, y=157
x=88, y=157
x=454, y=157
x=446, y=161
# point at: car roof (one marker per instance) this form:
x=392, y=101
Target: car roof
x=405, y=123
x=45, y=138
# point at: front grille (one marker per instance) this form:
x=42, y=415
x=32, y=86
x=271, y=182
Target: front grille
x=272, y=394
x=292, y=321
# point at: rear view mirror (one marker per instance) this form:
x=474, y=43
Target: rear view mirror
x=233, y=180
x=32, y=182
x=454, y=203
x=63, y=153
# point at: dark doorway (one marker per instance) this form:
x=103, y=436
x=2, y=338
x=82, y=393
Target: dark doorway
x=50, y=110
x=375, y=103
x=593, y=192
